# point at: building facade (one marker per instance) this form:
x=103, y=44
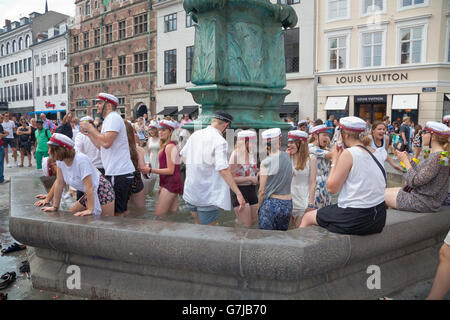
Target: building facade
x=50, y=72
x=112, y=49
x=16, y=65
x=380, y=57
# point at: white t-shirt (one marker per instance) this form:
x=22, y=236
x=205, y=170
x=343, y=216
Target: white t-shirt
x=9, y=126
x=365, y=185
x=81, y=168
x=205, y=155
x=75, y=133
x=84, y=145
x=116, y=160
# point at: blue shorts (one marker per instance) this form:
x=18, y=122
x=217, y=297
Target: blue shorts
x=206, y=215
x=275, y=214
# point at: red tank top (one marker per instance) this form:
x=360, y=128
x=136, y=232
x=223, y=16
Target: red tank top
x=172, y=182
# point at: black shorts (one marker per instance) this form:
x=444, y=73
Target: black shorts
x=352, y=220
x=137, y=185
x=248, y=192
x=122, y=190
x=9, y=142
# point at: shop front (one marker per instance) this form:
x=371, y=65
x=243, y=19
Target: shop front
x=372, y=108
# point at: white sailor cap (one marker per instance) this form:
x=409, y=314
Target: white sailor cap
x=274, y=133
x=46, y=168
x=353, y=124
x=447, y=118
x=302, y=122
x=153, y=124
x=297, y=135
x=88, y=119
x=61, y=140
x=318, y=129
x=108, y=98
x=246, y=134
x=437, y=128
x=167, y=124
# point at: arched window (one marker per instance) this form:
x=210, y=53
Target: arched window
x=27, y=41
x=3, y=50
x=20, y=43
x=14, y=46
x=8, y=48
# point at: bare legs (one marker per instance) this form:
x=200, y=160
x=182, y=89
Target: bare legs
x=441, y=283
x=248, y=216
x=309, y=219
x=391, y=197
x=167, y=202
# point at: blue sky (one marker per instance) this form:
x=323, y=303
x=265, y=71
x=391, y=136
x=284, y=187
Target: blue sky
x=15, y=9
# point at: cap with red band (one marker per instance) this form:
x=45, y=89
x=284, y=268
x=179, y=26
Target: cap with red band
x=437, y=128
x=61, y=140
x=246, y=134
x=353, y=124
x=297, y=135
x=318, y=129
x=166, y=124
x=108, y=98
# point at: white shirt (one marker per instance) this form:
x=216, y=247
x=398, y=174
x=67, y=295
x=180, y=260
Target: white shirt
x=365, y=185
x=75, y=133
x=116, y=160
x=9, y=126
x=84, y=145
x=300, y=187
x=81, y=168
x=205, y=155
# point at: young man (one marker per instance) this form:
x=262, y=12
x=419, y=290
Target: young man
x=3, y=134
x=114, y=149
x=47, y=123
x=42, y=135
x=9, y=141
x=330, y=126
x=405, y=134
x=208, y=177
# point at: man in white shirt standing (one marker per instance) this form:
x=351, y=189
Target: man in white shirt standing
x=9, y=141
x=208, y=177
x=114, y=149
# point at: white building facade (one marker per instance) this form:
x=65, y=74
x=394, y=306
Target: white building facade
x=51, y=72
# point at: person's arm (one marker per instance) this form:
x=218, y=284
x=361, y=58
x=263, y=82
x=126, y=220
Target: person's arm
x=18, y=132
x=403, y=135
x=59, y=186
x=98, y=139
x=90, y=204
x=393, y=164
x=419, y=175
x=263, y=175
x=47, y=198
x=226, y=175
x=341, y=164
x=312, y=181
x=170, y=162
x=233, y=168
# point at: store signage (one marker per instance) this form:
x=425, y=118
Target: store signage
x=370, y=78
x=429, y=89
x=49, y=105
x=11, y=80
x=371, y=99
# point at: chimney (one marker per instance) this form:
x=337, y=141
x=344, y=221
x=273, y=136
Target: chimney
x=7, y=23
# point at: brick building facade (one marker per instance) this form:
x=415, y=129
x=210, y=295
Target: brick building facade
x=109, y=52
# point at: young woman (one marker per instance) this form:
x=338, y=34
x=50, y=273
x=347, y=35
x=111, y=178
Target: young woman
x=304, y=168
x=427, y=182
x=319, y=148
x=245, y=173
x=379, y=140
x=417, y=141
x=77, y=170
x=141, y=131
x=153, y=145
x=50, y=169
x=137, y=196
x=274, y=196
x=359, y=178
x=24, y=134
x=302, y=125
x=170, y=184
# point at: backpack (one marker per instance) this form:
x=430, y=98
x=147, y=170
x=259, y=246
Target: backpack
x=46, y=133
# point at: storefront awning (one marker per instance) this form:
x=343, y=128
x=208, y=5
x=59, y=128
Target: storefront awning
x=46, y=111
x=188, y=110
x=168, y=111
x=405, y=102
x=288, y=108
x=448, y=96
x=336, y=103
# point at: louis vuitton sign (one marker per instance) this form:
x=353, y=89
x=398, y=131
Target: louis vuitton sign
x=372, y=78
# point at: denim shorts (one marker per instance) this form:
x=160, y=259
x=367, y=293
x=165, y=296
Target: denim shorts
x=206, y=215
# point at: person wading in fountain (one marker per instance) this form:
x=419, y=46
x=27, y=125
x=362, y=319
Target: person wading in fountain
x=114, y=149
x=208, y=176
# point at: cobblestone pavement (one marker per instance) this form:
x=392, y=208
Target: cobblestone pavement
x=22, y=288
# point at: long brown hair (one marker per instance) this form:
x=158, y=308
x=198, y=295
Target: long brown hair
x=302, y=154
x=443, y=141
x=132, y=144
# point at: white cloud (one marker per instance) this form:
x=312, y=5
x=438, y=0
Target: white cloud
x=15, y=9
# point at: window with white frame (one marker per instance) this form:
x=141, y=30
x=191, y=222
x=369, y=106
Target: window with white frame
x=337, y=52
x=372, y=49
x=369, y=7
x=412, y=44
x=338, y=10
x=410, y=4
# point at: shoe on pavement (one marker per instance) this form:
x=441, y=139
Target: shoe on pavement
x=4, y=182
x=9, y=165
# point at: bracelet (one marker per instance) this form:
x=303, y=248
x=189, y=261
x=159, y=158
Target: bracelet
x=333, y=165
x=311, y=206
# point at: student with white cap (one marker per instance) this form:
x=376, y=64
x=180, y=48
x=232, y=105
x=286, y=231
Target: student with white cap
x=427, y=181
x=49, y=169
x=114, y=149
x=274, y=195
x=446, y=120
x=208, y=176
x=304, y=167
x=152, y=149
x=84, y=145
x=302, y=125
x=359, y=178
x=244, y=170
x=76, y=170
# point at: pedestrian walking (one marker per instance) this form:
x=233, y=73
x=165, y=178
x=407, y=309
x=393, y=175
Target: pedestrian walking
x=42, y=135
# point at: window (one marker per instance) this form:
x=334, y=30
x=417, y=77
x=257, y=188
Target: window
x=189, y=21
x=122, y=30
x=140, y=24
x=338, y=10
x=55, y=76
x=96, y=4
x=30, y=90
x=122, y=65
x=411, y=44
x=29, y=63
x=170, y=66
x=369, y=7
x=63, y=86
x=88, y=8
x=372, y=49
x=62, y=54
x=7, y=69
x=20, y=43
x=292, y=50
x=12, y=68
x=108, y=32
x=21, y=92
x=44, y=86
x=20, y=66
x=170, y=22
x=75, y=43
x=97, y=36
x=86, y=72
x=290, y=1
x=76, y=74
x=50, y=87
x=121, y=101
x=409, y=4
x=1, y=75
x=189, y=60
x=140, y=62
x=26, y=91
x=109, y=68
x=86, y=40
x=97, y=70
x=337, y=53
x=27, y=41
x=16, y=67
x=25, y=66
